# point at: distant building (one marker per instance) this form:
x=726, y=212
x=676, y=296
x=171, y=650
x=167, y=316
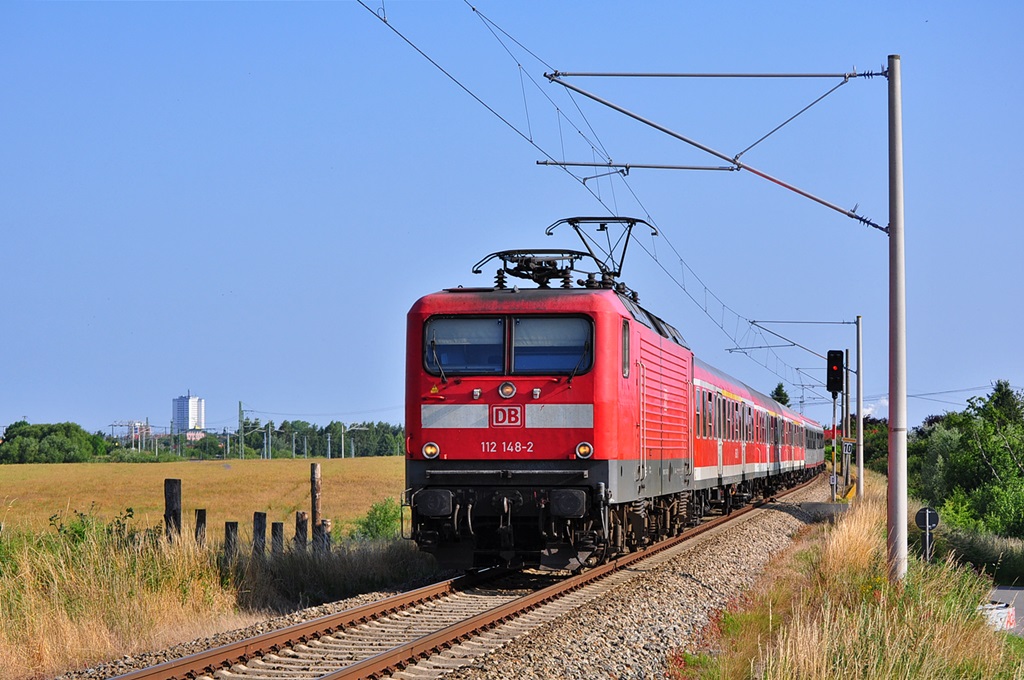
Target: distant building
x=188, y=414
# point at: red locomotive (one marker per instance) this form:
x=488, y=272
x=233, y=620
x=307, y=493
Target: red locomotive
x=562, y=426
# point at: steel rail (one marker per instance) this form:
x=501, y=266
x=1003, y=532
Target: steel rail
x=388, y=662
x=403, y=655
x=300, y=633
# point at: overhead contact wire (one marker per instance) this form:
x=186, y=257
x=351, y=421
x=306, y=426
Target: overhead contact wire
x=598, y=147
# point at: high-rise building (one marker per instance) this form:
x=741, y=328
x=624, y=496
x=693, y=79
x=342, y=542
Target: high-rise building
x=188, y=413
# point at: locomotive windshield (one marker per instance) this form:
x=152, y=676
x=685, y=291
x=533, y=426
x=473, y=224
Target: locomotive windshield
x=516, y=345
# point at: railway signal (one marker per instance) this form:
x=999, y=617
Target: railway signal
x=834, y=375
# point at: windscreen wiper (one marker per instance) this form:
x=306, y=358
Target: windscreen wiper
x=583, y=355
x=437, y=362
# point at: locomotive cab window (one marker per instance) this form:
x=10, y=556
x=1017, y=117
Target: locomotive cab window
x=500, y=345
x=551, y=345
x=465, y=345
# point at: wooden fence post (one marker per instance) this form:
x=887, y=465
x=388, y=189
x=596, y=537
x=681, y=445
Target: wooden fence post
x=327, y=534
x=277, y=539
x=201, y=527
x=301, y=530
x=259, y=535
x=172, y=509
x=322, y=537
x=317, y=538
x=230, y=540
x=314, y=493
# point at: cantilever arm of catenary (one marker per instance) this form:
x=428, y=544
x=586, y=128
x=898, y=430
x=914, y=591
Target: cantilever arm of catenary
x=553, y=77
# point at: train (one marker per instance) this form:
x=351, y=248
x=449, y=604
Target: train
x=557, y=426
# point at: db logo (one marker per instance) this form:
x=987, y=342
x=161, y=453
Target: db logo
x=507, y=416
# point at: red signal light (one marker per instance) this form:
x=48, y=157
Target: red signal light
x=834, y=375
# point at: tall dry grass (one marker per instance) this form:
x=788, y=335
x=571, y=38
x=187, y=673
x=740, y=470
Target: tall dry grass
x=86, y=594
x=852, y=622
x=827, y=610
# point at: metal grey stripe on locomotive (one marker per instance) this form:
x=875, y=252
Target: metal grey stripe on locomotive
x=471, y=416
x=453, y=415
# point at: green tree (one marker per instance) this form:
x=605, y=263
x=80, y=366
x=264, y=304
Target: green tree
x=971, y=464
x=876, y=444
x=49, y=443
x=208, y=447
x=780, y=395
x=940, y=444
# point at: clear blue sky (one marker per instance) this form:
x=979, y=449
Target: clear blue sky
x=243, y=200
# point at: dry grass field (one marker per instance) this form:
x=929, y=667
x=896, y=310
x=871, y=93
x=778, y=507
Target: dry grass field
x=229, y=490
x=94, y=587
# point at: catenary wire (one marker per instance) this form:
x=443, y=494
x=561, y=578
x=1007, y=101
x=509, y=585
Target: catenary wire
x=596, y=147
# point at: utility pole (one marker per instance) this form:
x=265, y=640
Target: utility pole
x=329, y=446
x=241, y=433
x=846, y=396
x=835, y=438
x=860, y=409
x=897, y=499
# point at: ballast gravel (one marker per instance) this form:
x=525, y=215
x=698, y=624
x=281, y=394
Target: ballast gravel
x=628, y=632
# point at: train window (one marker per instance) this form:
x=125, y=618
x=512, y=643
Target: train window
x=461, y=345
x=625, y=348
x=709, y=416
x=719, y=418
x=698, y=404
x=551, y=345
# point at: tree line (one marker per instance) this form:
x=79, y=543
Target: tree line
x=968, y=465
x=359, y=439
x=69, y=443
x=50, y=443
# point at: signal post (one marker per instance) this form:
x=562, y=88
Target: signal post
x=834, y=384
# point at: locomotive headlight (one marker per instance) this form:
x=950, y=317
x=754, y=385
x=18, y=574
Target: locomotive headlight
x=507, y=390
x=584, y=450
x=431, y=450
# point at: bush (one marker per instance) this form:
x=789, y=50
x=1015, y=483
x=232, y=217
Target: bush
x=1000, y=557
x=383, y=521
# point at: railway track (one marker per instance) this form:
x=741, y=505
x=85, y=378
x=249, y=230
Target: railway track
x=421, y=633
